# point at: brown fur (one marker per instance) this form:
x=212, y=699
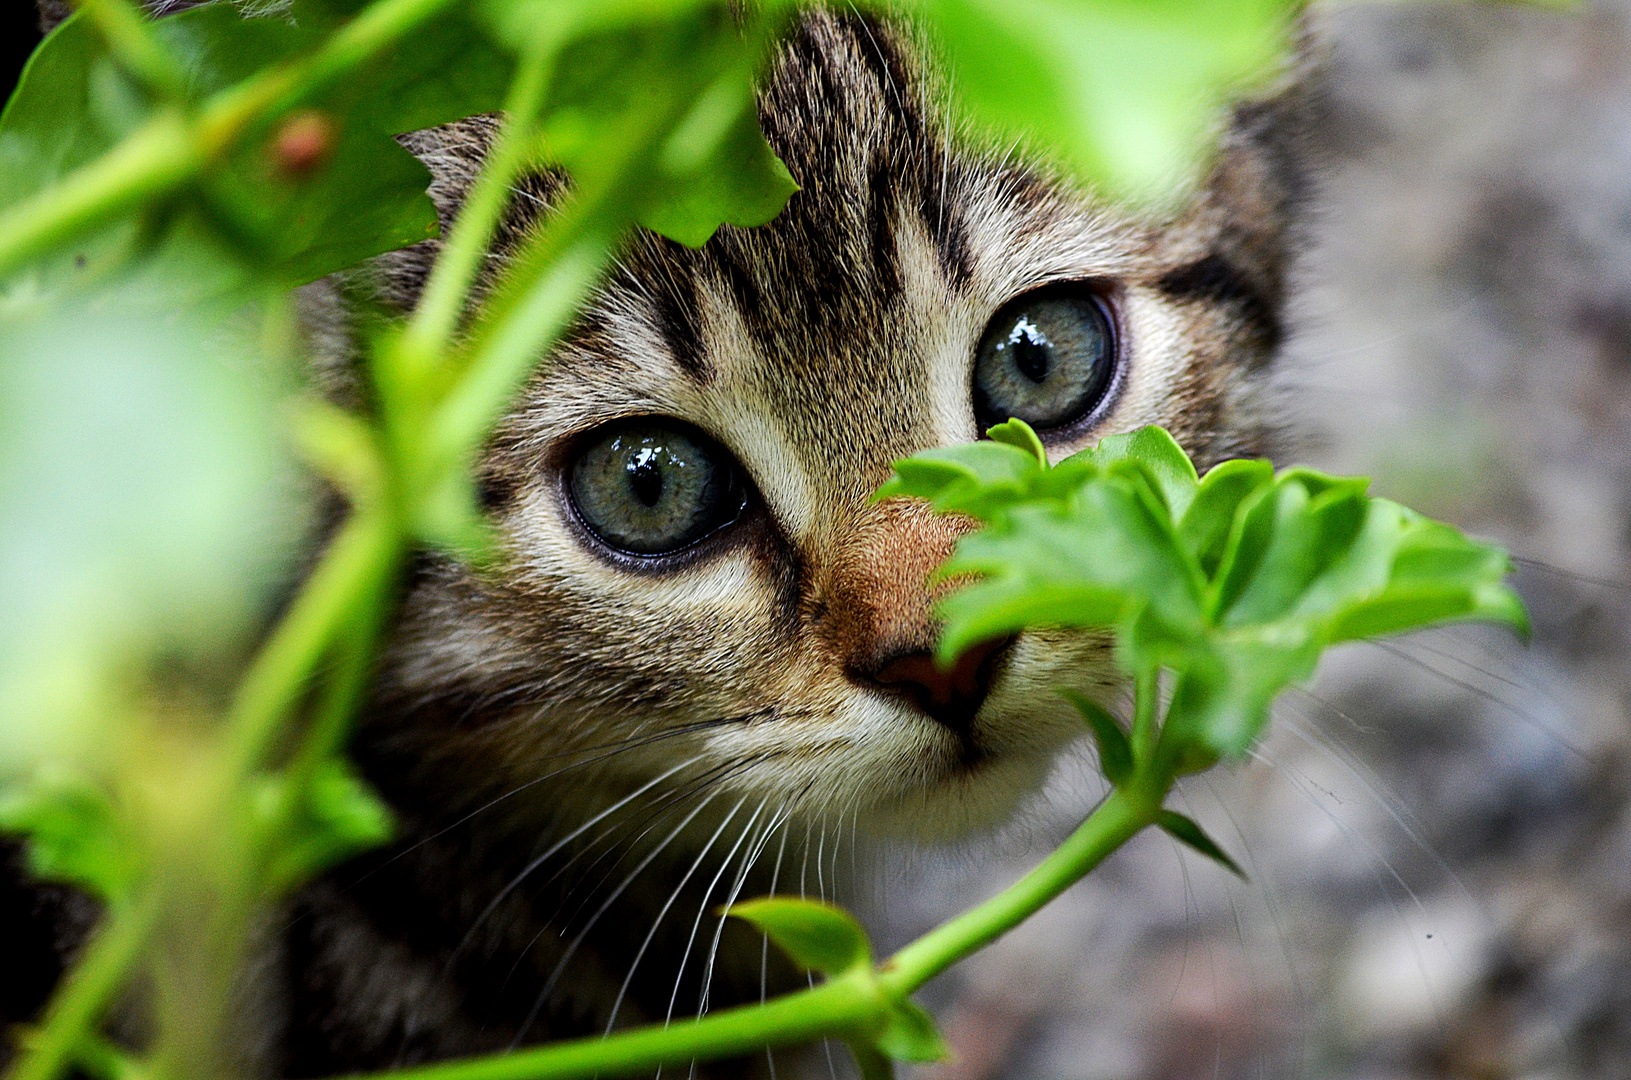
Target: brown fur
x=516, y=704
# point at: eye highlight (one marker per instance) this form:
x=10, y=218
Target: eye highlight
x=1048, y=358
x=653, y=487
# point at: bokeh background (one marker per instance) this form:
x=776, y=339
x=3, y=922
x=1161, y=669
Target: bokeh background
x=1437, y=833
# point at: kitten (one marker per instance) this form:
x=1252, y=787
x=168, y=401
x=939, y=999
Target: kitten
x=701, y=665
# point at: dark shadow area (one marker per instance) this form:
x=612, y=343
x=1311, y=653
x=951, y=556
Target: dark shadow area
x=19, y=33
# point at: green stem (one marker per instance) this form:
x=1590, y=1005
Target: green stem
x=130, y=36
x=87, y=989
x=157, y=158
x=349, y=569
x=1116, y=821
x=1146, y=706
x=843, y=1005
x=436, y=316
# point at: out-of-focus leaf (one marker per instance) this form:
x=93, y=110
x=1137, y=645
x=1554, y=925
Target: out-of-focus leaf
x=146, y=510
x=340, y=816
x=633, y=62
x=73, y=830
x=1185, y=830
x=910, y=1034
x=817, y=936
x=734, y=178
x=358, y=195
x=1236, y=581
x=1115, y=754
x=1124, y=91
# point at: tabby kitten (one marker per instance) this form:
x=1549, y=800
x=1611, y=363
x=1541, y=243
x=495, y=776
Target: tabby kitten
x=702, y=664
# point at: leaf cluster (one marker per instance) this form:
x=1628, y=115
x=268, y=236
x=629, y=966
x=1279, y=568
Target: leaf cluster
x=1234, y=582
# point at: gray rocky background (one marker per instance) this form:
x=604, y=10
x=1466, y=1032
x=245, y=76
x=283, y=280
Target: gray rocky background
x=1437, y=834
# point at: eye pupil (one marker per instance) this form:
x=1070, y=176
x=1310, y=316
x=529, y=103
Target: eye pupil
x=646, y=481
x=1048, y=358
x=1030, y=352
x=654, y=486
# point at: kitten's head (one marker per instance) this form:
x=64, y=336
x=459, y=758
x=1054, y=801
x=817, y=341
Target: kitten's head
x=685, y=492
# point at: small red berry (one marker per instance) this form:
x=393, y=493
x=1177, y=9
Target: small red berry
x=303, y=142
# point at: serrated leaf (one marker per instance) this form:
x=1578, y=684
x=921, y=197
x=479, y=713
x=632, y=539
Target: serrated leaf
x=817, y=936
x=1183, y=829
x=910, y=1034
x=1235, y=582
x=74, y=832
x=1115, y=753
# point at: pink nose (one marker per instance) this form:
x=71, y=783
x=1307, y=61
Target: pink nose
x=952, y=696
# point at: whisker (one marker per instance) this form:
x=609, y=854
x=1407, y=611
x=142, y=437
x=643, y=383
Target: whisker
x=1376, y=859
x=611, y=750
x=702, y=909
x=673, y=896
x=1533, y=721
x=539, y=861
x=1406, y=821
x=1552, y=568
x=611, y=898
x=667, y=805
x=749, y=858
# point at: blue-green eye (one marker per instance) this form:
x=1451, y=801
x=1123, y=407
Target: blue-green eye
x=654, y=487
x=1048, y=358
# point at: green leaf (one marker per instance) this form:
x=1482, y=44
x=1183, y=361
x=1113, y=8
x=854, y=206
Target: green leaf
x=872, y=1064
x=817, y=936
x=1020, y=435
x=340, y=816
x=1184, y=829
x=74, y=832
x=626, y=63
x=1235, y=582
x=731, y=177
x=1125, y=91
x=909, y=1034
x=359, y=194
x=1115, y=753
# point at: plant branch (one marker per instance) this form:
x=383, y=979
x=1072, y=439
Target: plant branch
x=436, y=317
x=87, y=989
x=843, y=1005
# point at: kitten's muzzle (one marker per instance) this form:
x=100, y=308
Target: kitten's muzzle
x=951, y=696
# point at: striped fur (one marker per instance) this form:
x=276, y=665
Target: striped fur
x=517, y=703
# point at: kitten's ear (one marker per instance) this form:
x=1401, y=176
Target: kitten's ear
x=1243, y=229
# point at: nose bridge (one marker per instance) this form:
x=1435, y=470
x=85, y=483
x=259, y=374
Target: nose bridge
x=877, y=598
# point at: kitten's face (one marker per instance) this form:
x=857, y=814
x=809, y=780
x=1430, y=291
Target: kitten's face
x=686, y=491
